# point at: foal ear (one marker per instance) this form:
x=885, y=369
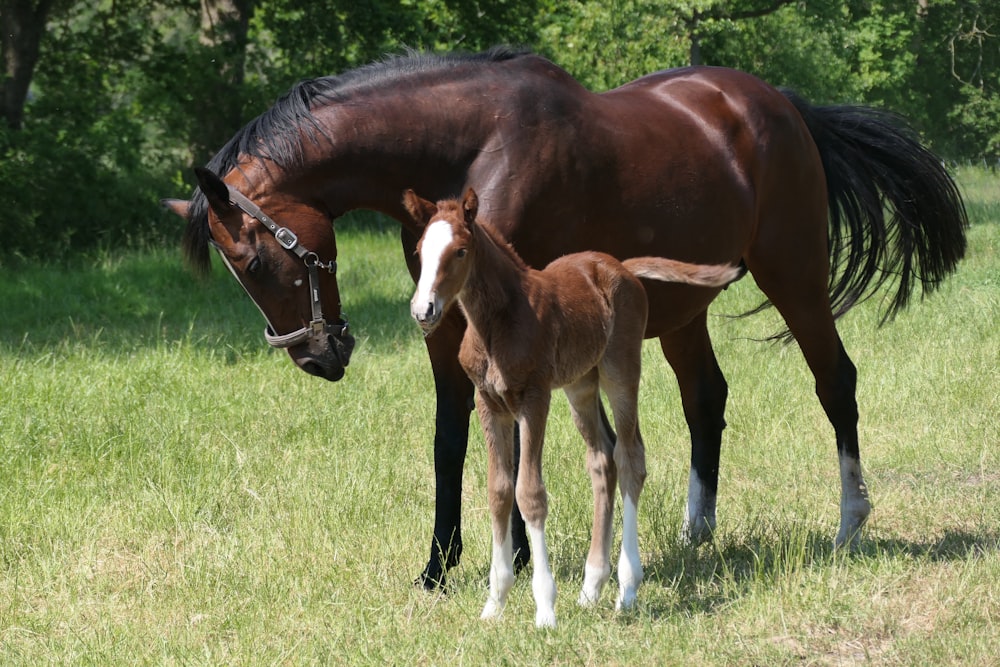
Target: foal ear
x=215, y=189
x=419, y=208
x=471, y=206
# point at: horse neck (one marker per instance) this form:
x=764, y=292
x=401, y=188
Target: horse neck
x=407, y=143
x=498, y=279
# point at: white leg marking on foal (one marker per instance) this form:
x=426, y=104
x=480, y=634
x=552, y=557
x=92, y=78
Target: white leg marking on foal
x=543, y=584
x=594, y=579
x=629, y=563
x=501, y=576
x=699, y=523
x=854, y=504
x=436, y=239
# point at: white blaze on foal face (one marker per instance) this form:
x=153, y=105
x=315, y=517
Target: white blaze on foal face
x=428, y=303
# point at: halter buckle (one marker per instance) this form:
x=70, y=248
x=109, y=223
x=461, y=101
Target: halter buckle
x=286, y=238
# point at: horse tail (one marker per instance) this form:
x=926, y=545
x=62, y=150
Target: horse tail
x=875, y=164
x=674, y=271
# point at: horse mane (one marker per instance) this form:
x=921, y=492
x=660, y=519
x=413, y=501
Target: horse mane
x=492, y=235
x=279, y=133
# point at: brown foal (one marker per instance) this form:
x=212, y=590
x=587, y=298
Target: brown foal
x=578, y=324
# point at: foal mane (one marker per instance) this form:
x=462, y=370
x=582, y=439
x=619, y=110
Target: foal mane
x=279, y=134
x=490, y=234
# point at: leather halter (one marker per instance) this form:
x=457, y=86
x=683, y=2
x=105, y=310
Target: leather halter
x=318, y=327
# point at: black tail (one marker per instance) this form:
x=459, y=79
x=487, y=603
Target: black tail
x=875, y=165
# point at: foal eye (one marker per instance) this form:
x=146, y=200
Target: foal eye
x=254, y=266
x=460, y=253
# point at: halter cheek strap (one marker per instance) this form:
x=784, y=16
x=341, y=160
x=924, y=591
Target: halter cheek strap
x=286, y=238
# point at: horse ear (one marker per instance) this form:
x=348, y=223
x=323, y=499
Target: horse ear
x=419, y=208
x=215, y=189
x=178, y=206
x=471, y=206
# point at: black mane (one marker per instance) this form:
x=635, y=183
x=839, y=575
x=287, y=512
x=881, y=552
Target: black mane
x=278, y=133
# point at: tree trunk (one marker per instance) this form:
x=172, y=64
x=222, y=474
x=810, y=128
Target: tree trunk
x=224, y=28
x=22, y=25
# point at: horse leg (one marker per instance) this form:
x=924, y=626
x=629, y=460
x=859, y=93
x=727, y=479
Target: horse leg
x=585, y=407
x=797, y=286
x=454, y=392
x=620, y=370
x=498, y=431
x=703, y=391
x=522, y=550
x=533, y=501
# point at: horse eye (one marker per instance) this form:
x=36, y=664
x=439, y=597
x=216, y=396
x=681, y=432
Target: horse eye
x=460, y=253
x=254, y=266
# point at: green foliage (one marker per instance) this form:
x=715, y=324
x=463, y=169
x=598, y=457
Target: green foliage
x=300, y=38
x=127, y=96
x=797, y=47
x=605, y=44
x=83, y=173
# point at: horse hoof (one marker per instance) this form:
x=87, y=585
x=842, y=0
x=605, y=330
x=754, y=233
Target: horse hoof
x=697, y=533
x=431, y=582
x=545, y=619
x=491, y=610
x=626, y=601
x=849, y=538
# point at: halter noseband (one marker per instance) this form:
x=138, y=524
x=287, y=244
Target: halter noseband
x=286, y=238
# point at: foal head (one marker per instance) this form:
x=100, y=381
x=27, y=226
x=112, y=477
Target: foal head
x=446, y=253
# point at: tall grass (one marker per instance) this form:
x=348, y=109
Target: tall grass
x=174, y=492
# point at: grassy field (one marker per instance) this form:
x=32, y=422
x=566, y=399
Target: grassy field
x=174, y=492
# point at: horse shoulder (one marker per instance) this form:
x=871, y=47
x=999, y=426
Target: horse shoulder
x=473, y=356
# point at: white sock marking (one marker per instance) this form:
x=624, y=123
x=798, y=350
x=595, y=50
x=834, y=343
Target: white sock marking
x=629, y=563
x=854, y=504
x=700, y=519
x=543, y=584
x=501, y=576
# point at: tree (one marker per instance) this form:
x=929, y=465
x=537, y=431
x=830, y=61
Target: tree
x=22, y=26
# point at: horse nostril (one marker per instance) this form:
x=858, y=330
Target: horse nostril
x=430, y=310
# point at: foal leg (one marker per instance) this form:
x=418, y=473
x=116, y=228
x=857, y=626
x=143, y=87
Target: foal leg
x=498, y=431
x=703, y=391
x=585, y=406
x=533, y=501
x=620, y=382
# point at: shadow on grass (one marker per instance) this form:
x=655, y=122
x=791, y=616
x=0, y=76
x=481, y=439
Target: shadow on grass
x=707, y=578
x=151, y=299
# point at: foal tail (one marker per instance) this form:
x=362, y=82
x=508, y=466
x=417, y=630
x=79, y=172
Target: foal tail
x=874, y=162
x=675, y=271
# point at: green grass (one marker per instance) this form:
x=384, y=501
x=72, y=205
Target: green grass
x=173, y=492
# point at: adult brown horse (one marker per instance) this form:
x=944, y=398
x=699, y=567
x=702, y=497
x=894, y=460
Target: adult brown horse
x=706, y=165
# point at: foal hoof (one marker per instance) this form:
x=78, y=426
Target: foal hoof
x=626, y=600
x=545, y=619
x=491, y=610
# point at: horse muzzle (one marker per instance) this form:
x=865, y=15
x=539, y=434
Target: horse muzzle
x=322, y=350
x=427, y=314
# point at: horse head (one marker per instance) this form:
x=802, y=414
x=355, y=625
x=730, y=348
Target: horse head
x=288, y=269
x=445, y=250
